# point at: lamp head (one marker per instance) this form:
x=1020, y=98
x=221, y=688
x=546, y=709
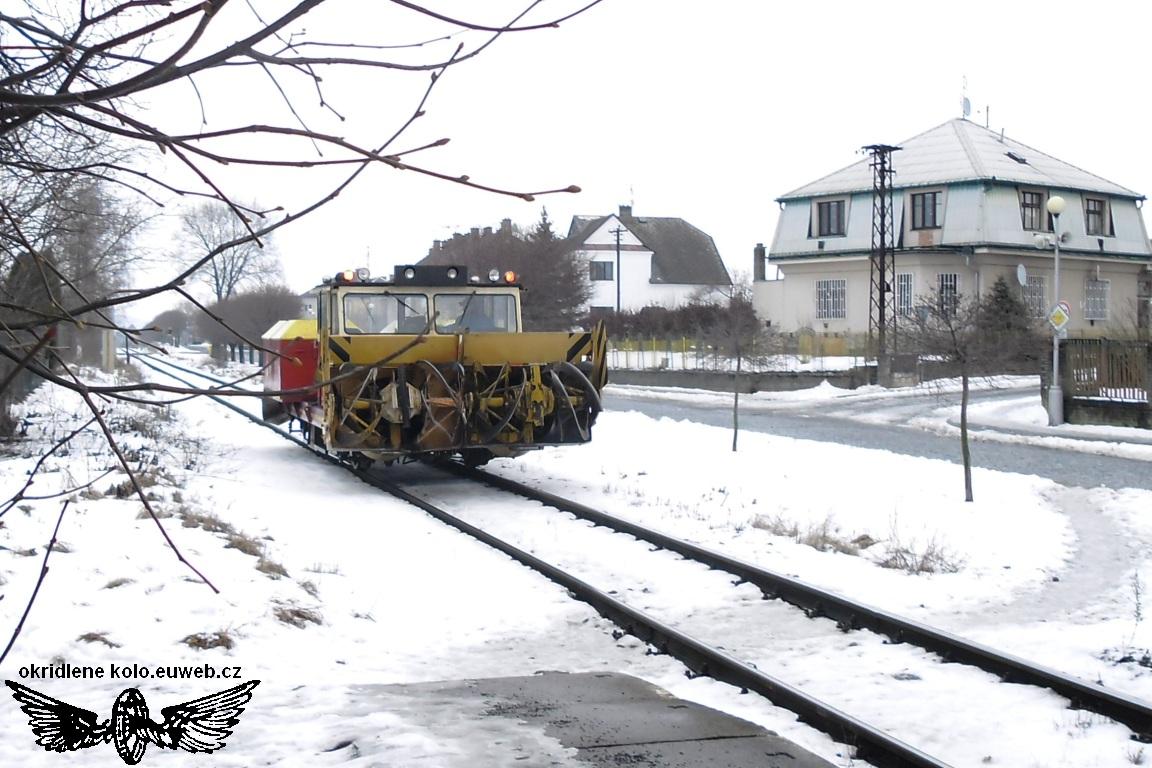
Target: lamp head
x=1055, y=205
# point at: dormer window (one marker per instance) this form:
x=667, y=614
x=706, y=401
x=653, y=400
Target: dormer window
x=1034, y=216
x=926, y=210
x=830, y=218
x=1097, y=217
x=1032, y=212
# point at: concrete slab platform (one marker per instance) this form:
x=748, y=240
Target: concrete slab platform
x=588, y=719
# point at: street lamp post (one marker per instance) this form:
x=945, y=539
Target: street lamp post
x=1055, y=390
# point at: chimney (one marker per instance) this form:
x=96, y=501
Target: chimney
x=475, y=232
x=625, y=211
x=487, y=231
x=758, y=258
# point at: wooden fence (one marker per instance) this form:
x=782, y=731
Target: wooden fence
x=1103, y=369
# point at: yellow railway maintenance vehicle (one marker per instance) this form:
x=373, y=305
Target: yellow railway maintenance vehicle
x=430, y=363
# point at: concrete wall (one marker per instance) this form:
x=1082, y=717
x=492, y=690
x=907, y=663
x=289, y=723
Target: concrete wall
x=772, y=381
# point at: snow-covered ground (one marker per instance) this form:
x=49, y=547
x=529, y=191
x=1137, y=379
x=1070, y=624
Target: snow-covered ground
x=324, y=583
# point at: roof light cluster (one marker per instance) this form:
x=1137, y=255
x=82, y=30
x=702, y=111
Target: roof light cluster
x=359, y=275
x=495, y=276
x=420, y=274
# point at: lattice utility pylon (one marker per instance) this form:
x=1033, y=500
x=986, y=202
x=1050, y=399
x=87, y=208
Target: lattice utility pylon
x=881, y=304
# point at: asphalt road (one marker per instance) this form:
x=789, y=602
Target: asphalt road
x=1068, y=467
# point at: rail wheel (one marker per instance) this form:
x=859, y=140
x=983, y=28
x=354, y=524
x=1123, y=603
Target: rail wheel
x=476, y=457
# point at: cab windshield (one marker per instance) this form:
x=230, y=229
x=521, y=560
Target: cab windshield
x=385, y=313
x=475, y=313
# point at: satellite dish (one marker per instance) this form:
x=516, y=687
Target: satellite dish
x=1021, y=274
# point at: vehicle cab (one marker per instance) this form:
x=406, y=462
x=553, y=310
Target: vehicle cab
x=434, y=300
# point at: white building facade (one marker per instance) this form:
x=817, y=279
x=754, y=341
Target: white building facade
x=969, y=206
x=636, y=262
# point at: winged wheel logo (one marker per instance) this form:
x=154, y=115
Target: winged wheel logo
x=200, y=725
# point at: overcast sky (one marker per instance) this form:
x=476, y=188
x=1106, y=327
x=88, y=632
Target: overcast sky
x=709, y=111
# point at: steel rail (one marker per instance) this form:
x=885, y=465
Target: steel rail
x=850, y=614
x=870, y=743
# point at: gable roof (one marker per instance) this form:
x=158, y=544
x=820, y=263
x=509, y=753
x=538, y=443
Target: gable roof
x=960, y=150
x=681, y=253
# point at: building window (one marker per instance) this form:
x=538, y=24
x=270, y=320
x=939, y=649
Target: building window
x=948, y=292
x=1032, y=211
x=904, y=293
x=600, y=270
x=1036, y=296
x=830, y=299
x=925, y=210
x=1096, y=218
x=1096, y=299
x=830, y=218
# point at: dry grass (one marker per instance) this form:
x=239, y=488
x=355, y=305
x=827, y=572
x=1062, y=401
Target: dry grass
x=245, y=544
x=933, y=558
x=296, y=615
x=146, y=479
x=161, y=513
x=192, y=518
x=204, y=641
x=98, y=637
x=271, y=568
x=824, y=536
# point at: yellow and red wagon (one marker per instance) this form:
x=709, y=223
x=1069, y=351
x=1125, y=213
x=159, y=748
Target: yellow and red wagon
x=429, y=362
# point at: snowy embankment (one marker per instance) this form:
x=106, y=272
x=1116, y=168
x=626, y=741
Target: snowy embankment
x=323, y=582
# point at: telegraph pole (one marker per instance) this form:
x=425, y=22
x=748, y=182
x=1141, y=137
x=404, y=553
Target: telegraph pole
x=618, y=232
x=882, y=265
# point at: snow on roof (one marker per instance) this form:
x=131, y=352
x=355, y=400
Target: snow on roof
x=960, y=150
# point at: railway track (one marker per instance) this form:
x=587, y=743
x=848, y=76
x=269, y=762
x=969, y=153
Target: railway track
x=871, y=744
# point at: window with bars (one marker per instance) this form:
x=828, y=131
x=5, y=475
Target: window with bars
x=925, y=210
x=830, y=218
x=600, y=270
x=830, y=299
x=948, y=292
x=904, y=293
x=1096, y=299
x=1096, y=219
x=1032, y=211
x=1036, y=295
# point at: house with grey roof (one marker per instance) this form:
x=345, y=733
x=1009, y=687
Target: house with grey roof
x=969, y=205
x=639, y=261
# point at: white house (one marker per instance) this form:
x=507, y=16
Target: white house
x=969, y=205
x=639, y=261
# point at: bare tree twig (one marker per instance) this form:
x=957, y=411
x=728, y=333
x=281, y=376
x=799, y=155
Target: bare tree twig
x=39, y=582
